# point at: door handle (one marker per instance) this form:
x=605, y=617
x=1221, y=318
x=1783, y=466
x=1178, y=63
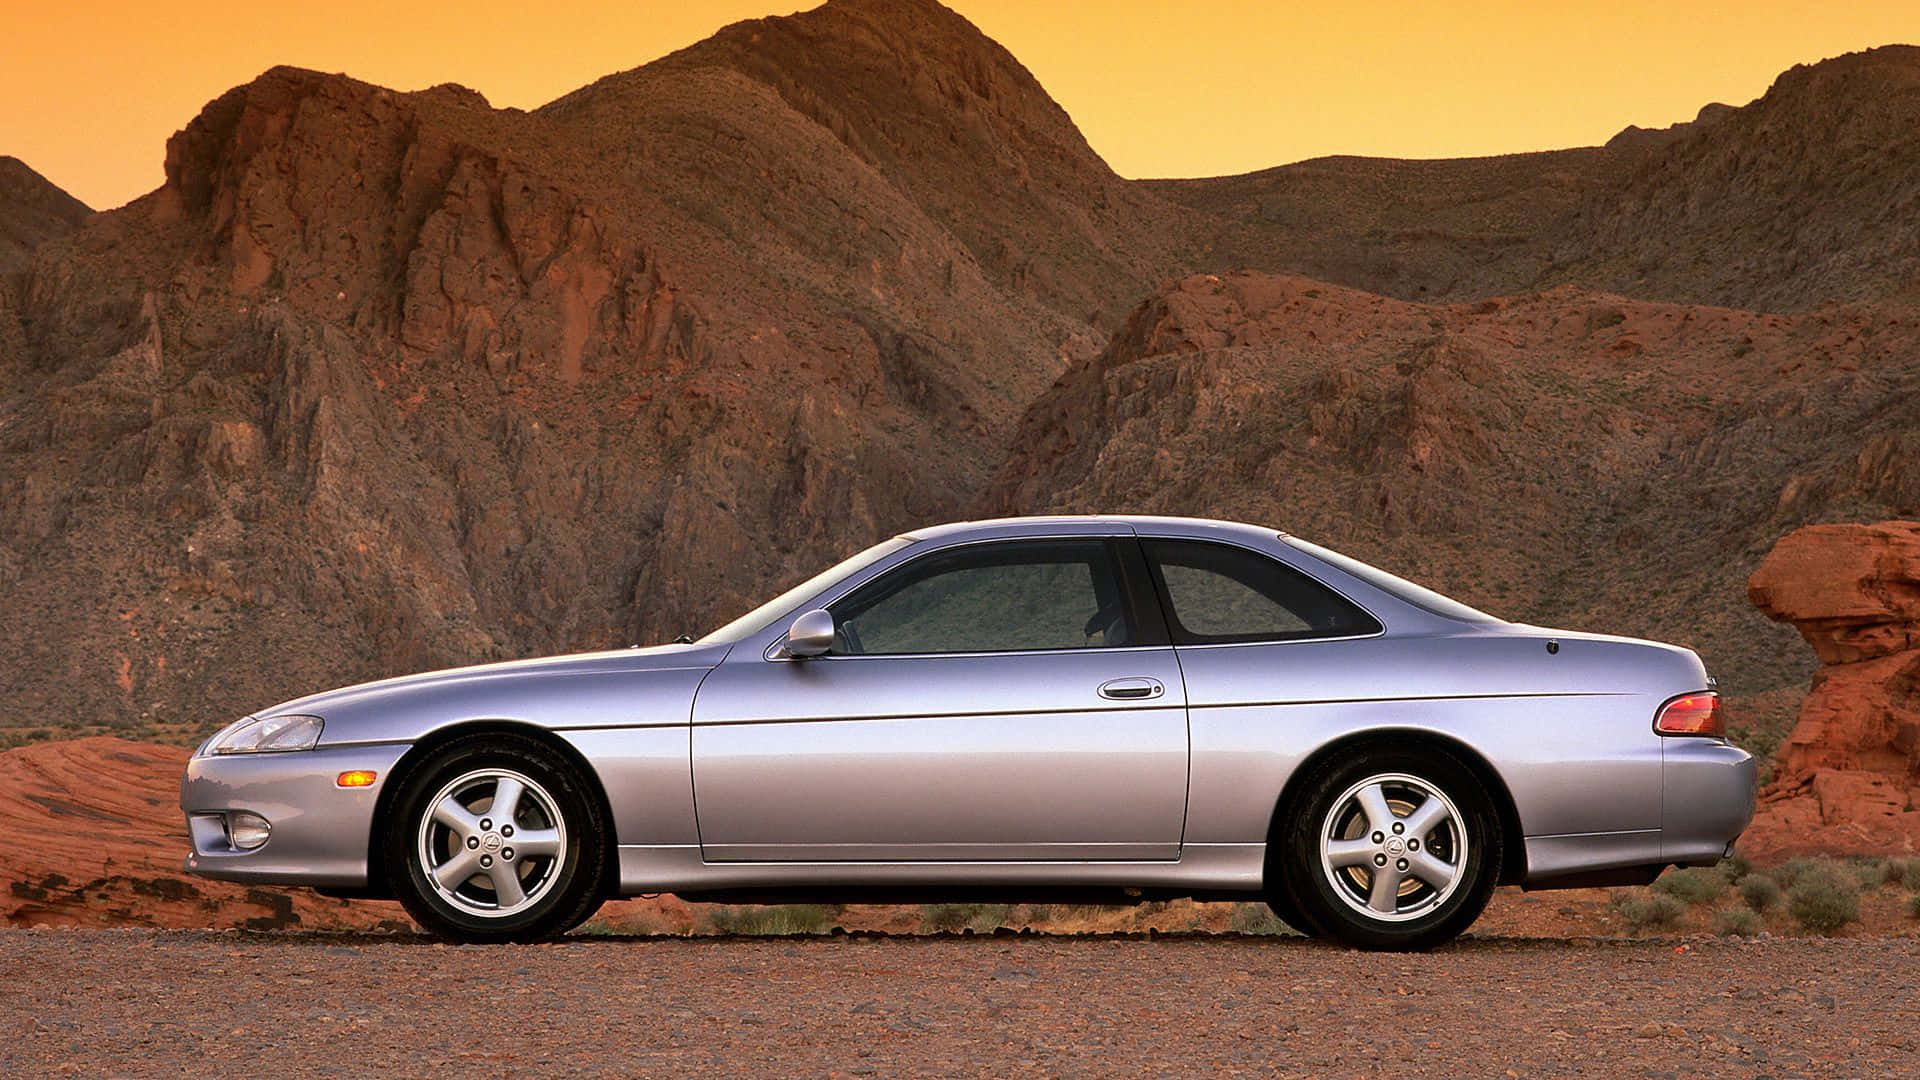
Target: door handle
x=1137, y=688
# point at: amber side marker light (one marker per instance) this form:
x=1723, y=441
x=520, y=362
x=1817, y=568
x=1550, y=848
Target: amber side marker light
x=356, y=778
x=1694, y=714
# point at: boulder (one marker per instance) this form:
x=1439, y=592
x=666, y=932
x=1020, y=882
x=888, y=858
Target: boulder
x=1853, y=591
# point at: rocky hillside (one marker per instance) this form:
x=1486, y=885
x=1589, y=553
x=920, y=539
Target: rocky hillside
x=961, y=128
x=1803, y=197
x=1566, y=457
x=1417, y=230
x=32, y=211
x=382, y=381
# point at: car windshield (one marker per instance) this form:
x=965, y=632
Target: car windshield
x=758, y=617
x=1397, y=587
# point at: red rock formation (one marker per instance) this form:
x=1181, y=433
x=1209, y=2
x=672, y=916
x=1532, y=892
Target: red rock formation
x=1850, y=771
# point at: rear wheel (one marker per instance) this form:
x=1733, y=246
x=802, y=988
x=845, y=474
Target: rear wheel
x=1392, y=849
x=499, y=840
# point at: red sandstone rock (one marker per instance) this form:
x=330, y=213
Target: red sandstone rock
x=1853, y=591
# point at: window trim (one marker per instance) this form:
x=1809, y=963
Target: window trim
x=1151, y=621
x=1172, y=618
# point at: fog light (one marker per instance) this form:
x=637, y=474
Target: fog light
x=247, y=831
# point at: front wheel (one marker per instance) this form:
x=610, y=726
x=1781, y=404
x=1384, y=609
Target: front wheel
x=1392, y=849
x=498, y=840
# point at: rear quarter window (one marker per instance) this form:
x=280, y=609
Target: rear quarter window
x=1220, y=594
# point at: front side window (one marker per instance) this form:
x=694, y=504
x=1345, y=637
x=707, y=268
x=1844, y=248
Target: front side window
x=1011, y=596
x=1220, y=594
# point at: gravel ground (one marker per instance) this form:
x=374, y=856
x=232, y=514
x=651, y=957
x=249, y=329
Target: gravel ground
x=146, y=1002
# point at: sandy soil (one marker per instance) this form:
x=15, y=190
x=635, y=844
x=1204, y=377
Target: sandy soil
x=151, y=1002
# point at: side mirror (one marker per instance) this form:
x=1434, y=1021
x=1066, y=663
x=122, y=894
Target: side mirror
x=811, y=634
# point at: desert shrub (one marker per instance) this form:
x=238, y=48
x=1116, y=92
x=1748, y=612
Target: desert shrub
x=1256, y=918
x=1760, y=892
x=1903, y=872
x=1822, y=901
x=1651, y=912
x=1734, y=867
x=782, y=919
x=951, y=918
x=1870, y=873
x=1736, y=922
x=1695, y=885
x=1789, y=873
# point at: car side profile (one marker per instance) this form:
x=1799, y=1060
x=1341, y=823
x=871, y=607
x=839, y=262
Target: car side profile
x=1113, y=709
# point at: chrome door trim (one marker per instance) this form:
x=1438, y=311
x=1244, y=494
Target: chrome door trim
x=939, y=716
x=1419, y=697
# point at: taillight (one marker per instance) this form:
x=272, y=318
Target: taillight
x=1692, y=714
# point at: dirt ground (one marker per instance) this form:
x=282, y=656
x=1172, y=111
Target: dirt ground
x=146, y=1002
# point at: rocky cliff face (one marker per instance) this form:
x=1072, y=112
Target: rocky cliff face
x=1853, y=591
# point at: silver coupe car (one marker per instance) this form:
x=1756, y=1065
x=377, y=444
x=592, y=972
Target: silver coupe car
x=1110, y=709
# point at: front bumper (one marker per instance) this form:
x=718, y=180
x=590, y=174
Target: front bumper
x=1708, y=790
x=320, y=831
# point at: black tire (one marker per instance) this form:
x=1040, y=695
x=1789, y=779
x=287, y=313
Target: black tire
x=1280, y=902
x=560, y=891
x=1331, y=899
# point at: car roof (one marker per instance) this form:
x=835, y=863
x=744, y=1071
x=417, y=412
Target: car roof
x=1091, y=524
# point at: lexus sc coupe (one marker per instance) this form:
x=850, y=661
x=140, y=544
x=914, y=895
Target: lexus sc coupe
x=1107, y=709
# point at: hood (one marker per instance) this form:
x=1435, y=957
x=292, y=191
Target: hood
x=328, y=704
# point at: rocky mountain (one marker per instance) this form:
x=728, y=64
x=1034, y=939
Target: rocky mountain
x=32, y=211
x=381, y=381
x=1802, y=197
x=958, y=125
x=1566, y=457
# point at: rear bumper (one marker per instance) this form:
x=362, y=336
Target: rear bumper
x=319, y=831
x=1707, y=797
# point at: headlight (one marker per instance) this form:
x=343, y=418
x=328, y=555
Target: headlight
x=271, y=735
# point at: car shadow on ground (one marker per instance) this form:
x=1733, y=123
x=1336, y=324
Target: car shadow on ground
x=295, y=938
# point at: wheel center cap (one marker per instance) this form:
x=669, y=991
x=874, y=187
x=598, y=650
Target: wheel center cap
x=491, y=842
x=1396, y=846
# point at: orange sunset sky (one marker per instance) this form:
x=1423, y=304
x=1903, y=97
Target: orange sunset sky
x=90, y=89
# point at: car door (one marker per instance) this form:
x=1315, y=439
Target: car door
x=995, y=700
